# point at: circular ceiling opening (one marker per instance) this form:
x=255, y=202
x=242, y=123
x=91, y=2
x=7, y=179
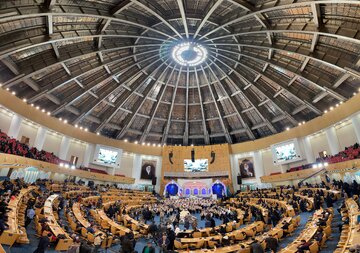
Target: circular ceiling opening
x=189, y=54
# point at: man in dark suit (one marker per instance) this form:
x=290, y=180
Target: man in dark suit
x=148, y=248
x=147, y=171
x=247, y=169
x=43, y=244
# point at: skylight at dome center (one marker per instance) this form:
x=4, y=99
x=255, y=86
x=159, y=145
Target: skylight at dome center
x=189, y=54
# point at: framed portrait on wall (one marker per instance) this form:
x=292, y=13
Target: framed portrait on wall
x=148, y=169
x=246, y=167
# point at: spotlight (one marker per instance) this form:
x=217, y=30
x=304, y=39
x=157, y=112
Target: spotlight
x=315, y=166
x=143, y=143
x=136, y=142
x=86, y=129
x=37, y=108
x=326, y=164
x=65, y=121
x=66, y=166
x=61, y=165
x=43, y=110
x=325, y=111
x=48, y=113
x=97, y=133
x=14, y=93
x=24, y=100
x=73, y=167
x=76, y=126
x=125, y=140
x=288, y=128
x=331, y=108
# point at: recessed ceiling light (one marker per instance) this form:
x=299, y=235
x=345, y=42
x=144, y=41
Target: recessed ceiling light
x=288, y=128
x=24, y=100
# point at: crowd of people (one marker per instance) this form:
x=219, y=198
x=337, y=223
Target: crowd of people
x=12, y=146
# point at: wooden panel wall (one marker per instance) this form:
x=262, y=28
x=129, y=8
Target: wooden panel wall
x=221, y=163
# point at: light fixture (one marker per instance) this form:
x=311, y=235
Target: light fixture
x=48, y=113
x=65, y=121
x=86, y=129
x=43, y=110
x=66, y=166
x=189, y=54
x=81, y=128
x=326, y=164
x=97, y=133
x=125, y=140
x=37, y=107
x=315, y=166
x=303, y=122
x=143, y=143
x=325, y=111
x=337, y=105
x=24, y=100
x=32, y=105
x=7, y=89
x=148, y=144
x=61, y=165
x=60, y=119
x=331, y=108
x=73, y=167
x=288, y=128
x=136, y=142
x=76, y=125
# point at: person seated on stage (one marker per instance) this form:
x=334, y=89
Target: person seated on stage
x=304, y=245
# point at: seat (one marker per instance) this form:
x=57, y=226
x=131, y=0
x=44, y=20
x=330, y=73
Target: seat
x=8, y=238
x=104, y=224
x=240, y=236
x=211, y=244
x=196, y=235
x=314, y=247
x=327, y=231
x=2, y=249
x=229, y=228
x=84, y=232
x=297, y=220
x=90, y=237
x=179, y=245
x=290, y=229
x=63, y=244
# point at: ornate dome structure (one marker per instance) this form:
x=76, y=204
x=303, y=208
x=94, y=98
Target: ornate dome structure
x=181, y=71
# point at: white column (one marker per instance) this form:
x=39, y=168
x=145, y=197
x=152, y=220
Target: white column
x=355, y=120
x=136, y=172
x=234, y=171
x=40, y=138
x=64, y=147
x=332, y=140
x=15, y=126
x=258, y=166
x=309, y=154
x=89, y=152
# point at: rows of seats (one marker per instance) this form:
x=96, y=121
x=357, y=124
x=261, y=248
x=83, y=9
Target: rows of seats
x=350, y=235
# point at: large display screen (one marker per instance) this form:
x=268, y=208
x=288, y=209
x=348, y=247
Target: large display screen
x=286, y=152
x=199, y=165
x=107, y=156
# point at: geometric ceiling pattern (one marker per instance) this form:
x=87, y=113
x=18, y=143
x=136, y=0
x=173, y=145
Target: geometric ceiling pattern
x=107, y=65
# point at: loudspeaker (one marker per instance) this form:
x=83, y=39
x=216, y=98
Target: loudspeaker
x=239, y=181
x=193, y=155
x=153, y=180
x=212, y=157
x=170, y=157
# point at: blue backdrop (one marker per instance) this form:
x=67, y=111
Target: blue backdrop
x=172, y=189
x=218, y=190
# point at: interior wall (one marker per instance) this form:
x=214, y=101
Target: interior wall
x=76, y=148
x=136, y=171
x=29, y=131
x=319, y=143
x=346, y=134
x=5, y=120
x=127, y=164
x=52, y=142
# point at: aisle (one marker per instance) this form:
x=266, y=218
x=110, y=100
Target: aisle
x=331, y=245
x=304, y=217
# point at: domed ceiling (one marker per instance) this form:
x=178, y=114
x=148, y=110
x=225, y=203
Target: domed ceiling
x=181, y=71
